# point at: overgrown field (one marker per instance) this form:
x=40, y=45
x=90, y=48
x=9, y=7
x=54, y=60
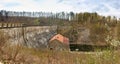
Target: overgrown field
x=22, y=55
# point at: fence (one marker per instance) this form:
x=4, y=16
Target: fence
x=61, y=15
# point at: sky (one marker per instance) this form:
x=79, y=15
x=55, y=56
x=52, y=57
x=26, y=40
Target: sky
x=103, y=7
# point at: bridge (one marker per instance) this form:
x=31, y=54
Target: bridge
x=30, y=36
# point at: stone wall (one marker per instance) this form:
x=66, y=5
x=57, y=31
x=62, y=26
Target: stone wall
x=35, y=37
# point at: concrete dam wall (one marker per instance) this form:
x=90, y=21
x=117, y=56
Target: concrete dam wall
x=32, y=37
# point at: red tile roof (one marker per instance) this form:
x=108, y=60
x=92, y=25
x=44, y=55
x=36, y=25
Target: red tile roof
x=60, y=38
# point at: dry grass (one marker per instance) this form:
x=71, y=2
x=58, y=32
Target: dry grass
x=22, y=55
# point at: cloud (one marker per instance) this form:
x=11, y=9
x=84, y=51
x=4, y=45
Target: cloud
x=12, y=4
x=111, y=9
x=35, y=5
x=104, y=7
x=21, y=5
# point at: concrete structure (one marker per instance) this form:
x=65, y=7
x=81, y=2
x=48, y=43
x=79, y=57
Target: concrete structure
x=32, y=37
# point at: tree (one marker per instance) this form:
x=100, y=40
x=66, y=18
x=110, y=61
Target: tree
x=6, y=15
x=109, y=18
x=63, y=15
x=114, y=19
x=86, y=16
x=0, y=16
x=37, y=22
x=71, y=16
x=80, y=18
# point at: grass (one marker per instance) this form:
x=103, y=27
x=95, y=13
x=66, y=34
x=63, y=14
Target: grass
x=32, y=56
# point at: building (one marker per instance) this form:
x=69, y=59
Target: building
x=59, y=42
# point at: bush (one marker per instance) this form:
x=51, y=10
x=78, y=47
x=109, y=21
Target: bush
x=98, y=33
x=3, y=39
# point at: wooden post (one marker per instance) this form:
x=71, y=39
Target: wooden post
x=7, y=24
x=11, y=25
x=0, y=24
x=3, y=24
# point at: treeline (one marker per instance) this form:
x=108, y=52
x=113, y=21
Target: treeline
x=49, y=18
x=62, y=15
x=94, y=17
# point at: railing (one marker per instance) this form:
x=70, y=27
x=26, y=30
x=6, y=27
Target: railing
x=17, y=25
x=10, y=25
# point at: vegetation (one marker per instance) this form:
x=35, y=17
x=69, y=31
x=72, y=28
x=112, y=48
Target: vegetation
x=31, y=56
x=102, y=30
